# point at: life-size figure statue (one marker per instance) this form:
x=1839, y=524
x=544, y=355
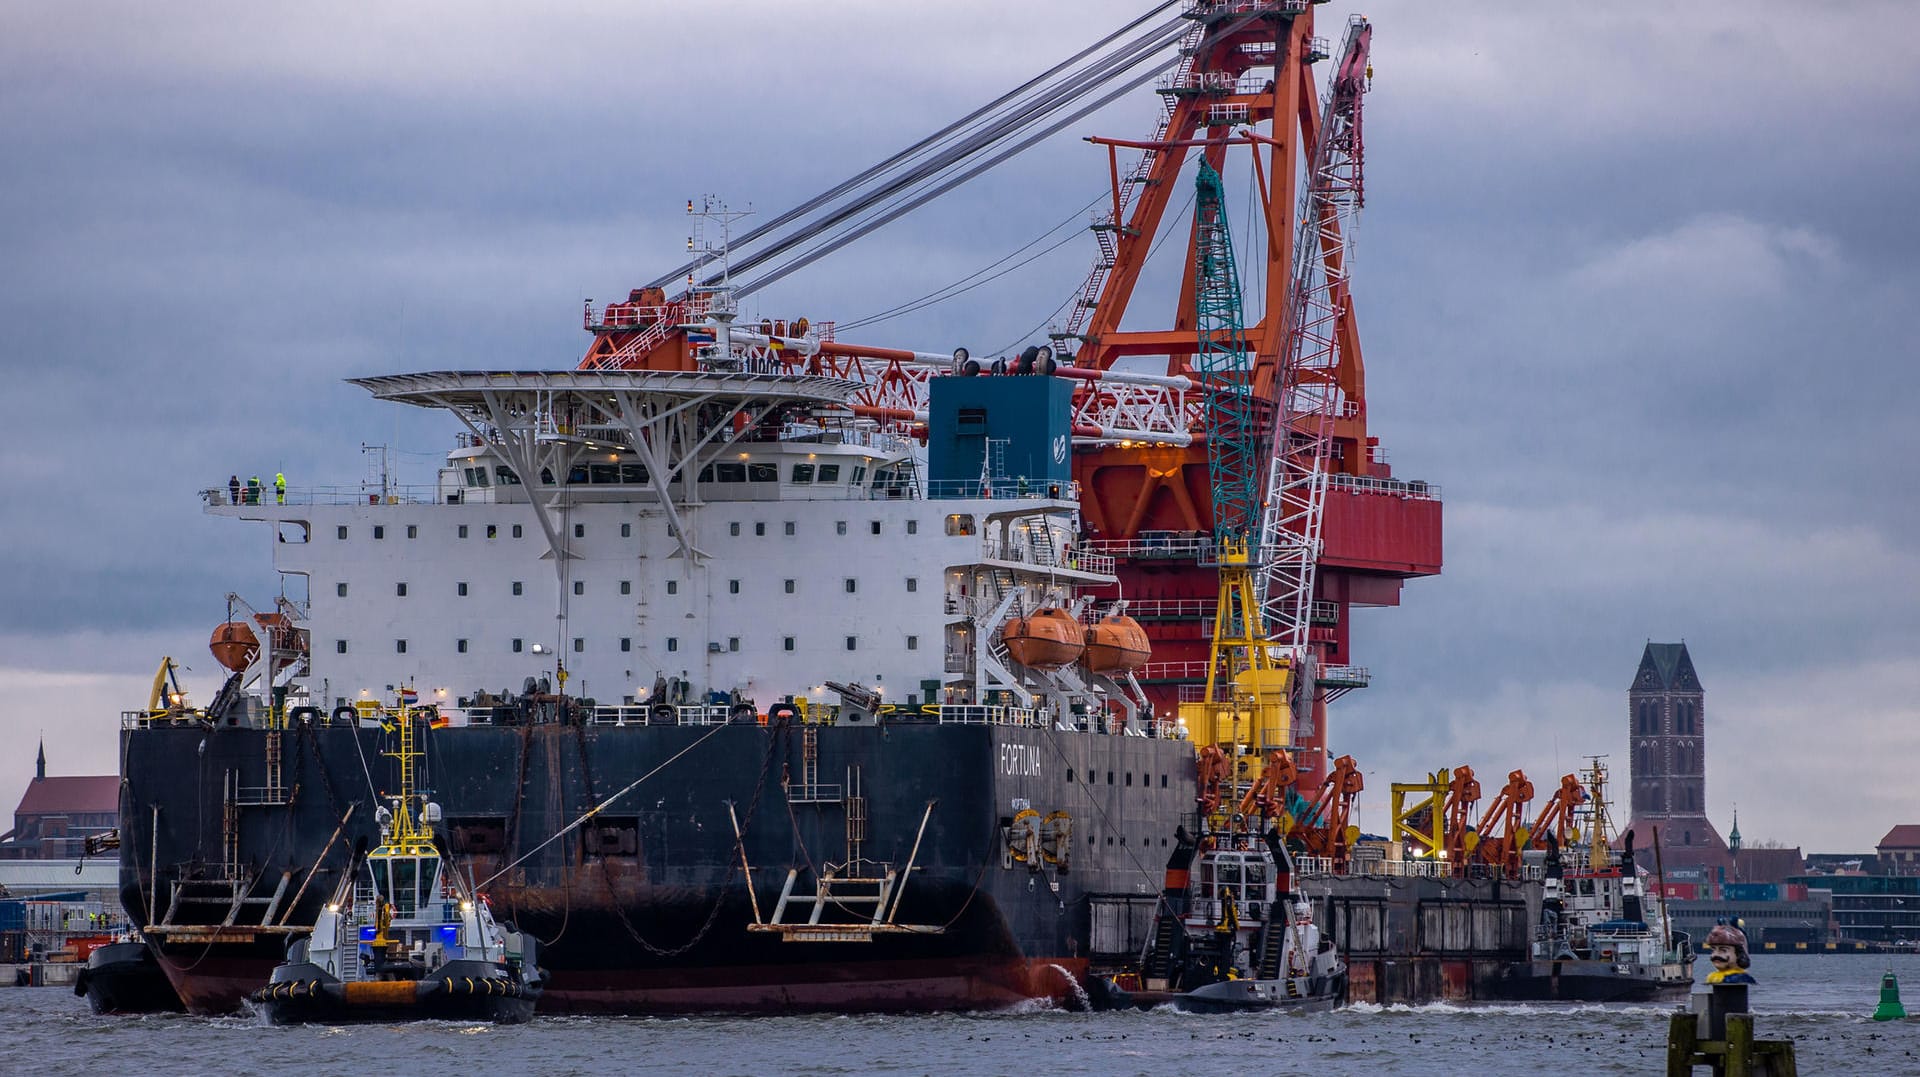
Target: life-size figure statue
x=1727, y=950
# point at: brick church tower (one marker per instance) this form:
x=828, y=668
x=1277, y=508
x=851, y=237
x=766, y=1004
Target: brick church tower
x=1667, y=736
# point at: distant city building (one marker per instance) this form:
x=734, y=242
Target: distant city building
x=1899, y=851
x=1872, y=908
x=1667, y=731
x=56, y=815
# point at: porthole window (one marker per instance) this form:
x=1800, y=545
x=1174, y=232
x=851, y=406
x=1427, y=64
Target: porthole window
x=379, y=532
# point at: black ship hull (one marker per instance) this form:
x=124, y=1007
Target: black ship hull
x=646, y=908
x=1587, y=981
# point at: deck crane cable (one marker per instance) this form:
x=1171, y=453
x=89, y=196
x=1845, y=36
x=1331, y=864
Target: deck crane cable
x=964, y=150
x=872, y=171
x=1076, y=87
x=1075, y=293
x=982, y=275
x=901, y=208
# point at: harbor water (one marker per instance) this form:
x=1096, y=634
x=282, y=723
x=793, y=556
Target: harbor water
x=1820, y=1001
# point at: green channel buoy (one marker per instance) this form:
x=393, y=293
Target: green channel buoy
x=1889, y=1008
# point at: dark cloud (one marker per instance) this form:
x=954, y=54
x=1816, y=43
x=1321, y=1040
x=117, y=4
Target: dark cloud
x=1637, y=289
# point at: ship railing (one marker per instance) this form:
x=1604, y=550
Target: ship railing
x=988, y=490
x=1190, y=670
x=1166, y=729
x=1045, y=555
x=622, y=715
x=985, y=714
x=1412, y=489
x=1169, y=545
x=218, y=496
x=1171, y=609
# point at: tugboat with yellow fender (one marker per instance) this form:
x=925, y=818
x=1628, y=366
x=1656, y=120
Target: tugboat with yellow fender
x=407, y=938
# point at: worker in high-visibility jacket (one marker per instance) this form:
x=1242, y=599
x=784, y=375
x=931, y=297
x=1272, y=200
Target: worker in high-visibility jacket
x=280, y=487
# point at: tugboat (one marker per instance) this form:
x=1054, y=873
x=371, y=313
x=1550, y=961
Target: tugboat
x=407, y=938
x=124, y=977
x=1232, y=936
x=1599, y=938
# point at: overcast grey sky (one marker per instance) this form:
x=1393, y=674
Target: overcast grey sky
x=1637, y=286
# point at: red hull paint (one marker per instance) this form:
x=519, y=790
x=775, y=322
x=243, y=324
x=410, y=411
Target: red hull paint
x=217, y=984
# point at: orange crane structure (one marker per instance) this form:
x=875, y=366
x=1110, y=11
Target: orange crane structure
x=1339, y=530
x=1463, y=792
x=1324, y=828
x=1556, y=818
x=1503, y=831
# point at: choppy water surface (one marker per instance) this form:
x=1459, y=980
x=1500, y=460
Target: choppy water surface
x=1820, y=1001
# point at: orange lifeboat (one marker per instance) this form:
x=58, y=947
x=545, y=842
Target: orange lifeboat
x=1049, y=639
x=234, y=645
x=1117, y=644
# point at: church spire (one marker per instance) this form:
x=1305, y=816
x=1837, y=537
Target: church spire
x=1733, y=838
x=40, y=769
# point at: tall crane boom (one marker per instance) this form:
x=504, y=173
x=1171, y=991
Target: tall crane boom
x=1245, y=708
x=1311, y=395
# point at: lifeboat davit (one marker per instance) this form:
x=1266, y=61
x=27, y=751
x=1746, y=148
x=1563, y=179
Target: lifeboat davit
x=1117, y=644
x=1049, y=639
x=234, y=645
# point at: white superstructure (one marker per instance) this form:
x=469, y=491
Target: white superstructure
x=698, y=535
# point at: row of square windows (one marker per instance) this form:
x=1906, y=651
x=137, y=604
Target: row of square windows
x=626, y=529
x=850, y=584
x=787, y=643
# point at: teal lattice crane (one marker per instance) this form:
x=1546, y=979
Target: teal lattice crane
x=1234, y=447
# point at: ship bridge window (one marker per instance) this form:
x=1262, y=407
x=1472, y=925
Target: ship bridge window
x=633, y=474
x=802, y=474
x=829, y=472
x=730, y=472
x=763, y=472
x=577, y=474
x=505, y=475
x=607, y=474
x=480, y=476
x=859, y=474
x=960, y=523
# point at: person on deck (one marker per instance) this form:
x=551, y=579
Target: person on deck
x=280, y=487
x=233, y=488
